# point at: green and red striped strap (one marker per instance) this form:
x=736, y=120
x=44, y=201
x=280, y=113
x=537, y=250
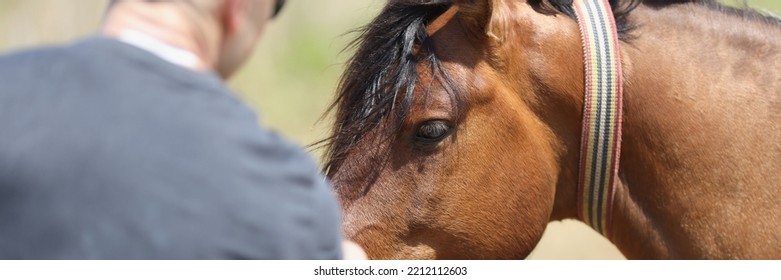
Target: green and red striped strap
x=601, y=136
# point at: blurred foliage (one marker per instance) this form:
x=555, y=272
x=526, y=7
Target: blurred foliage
x=771, y=7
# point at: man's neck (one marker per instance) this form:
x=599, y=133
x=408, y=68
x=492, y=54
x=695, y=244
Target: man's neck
x=169, y=31
x=161, y=49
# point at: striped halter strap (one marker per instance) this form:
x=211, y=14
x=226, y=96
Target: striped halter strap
x=600, y=144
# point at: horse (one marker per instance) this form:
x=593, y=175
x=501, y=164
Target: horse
x=457, y=130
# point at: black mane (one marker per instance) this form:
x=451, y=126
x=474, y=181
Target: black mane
x=383, y=73
x=621, y=11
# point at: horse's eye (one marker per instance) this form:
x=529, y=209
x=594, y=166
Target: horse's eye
x=433, y=131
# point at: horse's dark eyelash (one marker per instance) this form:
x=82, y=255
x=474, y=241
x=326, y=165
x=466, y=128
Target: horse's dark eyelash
x=432, y=128
x=445, y=126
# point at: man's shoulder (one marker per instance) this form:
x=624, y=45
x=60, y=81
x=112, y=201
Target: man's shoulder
x=55, y=63
x=45, y=55
x=99, y=59
x=25, y=55
x=20, y=62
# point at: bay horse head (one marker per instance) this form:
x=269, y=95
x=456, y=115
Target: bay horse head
x=458, y=125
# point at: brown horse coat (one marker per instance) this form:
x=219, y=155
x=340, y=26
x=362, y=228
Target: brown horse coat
x=475, y=157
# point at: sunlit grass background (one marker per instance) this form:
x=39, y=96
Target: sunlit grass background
x=291, y=78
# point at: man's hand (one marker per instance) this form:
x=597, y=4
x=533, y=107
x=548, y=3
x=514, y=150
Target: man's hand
x=353, y=251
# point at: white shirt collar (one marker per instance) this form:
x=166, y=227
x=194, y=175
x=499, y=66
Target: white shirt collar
x=159, y=48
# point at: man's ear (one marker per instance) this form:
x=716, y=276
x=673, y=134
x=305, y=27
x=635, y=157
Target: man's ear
x=232, y=16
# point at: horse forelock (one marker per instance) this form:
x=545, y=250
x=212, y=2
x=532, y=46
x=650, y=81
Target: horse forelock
x=382, y=74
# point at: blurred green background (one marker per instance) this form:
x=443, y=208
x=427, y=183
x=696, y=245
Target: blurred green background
x=291, y=78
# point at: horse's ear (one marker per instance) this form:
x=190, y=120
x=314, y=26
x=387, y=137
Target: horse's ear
x=475, y=14
x=422, y=2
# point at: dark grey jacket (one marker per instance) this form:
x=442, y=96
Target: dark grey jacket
x=108, y=152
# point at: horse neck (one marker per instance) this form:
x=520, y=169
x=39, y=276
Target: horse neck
x=696, y=69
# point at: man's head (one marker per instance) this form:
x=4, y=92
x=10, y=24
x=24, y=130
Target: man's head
x=222, y=33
